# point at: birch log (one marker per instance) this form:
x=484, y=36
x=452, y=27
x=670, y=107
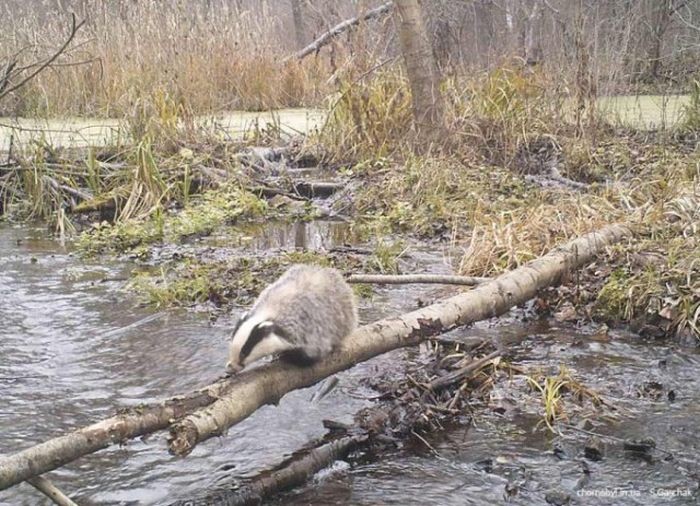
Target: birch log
x=269, y=383
x=401, y=279
x=129, y=424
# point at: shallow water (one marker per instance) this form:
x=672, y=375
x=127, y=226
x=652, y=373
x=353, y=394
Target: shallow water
x=638, y=111
x=648, y=112
x=81, y=132
x=75, y=348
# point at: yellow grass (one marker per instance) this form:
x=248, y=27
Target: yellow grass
x=128, y=51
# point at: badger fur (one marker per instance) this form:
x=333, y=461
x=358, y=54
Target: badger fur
x=302, y=316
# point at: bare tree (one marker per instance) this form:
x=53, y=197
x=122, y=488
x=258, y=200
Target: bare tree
x=660, y=19
x=420, y=67
x=13, y=75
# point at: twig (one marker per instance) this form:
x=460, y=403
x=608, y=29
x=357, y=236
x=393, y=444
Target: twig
x=69, y=190
x=400, y=279
x=338, y=29
x=473, y=366
x=50, y=490
x=74, y=29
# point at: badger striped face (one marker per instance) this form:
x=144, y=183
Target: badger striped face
x=255, y=337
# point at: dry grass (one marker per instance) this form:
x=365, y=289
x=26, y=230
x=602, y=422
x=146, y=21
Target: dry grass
x=130, y=51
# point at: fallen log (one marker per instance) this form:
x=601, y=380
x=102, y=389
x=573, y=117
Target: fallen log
x=269, y=383
x=233, y=399
x=373, y=427
x=128, y=424
x=294, y=472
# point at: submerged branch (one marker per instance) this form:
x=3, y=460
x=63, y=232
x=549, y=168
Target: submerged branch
x=295, y=471
x=51, y=491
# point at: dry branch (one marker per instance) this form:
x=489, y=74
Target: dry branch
x=51, y=491
x=401, y=279
x=465, y=371
x=5, y=84
x=269, y=383
x=340, y=28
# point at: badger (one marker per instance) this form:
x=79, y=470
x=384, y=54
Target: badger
x=302, y=317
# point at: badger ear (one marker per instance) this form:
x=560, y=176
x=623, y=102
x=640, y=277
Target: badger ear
x=266, y=325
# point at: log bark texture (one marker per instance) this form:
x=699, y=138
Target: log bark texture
x=267, y=384
x=127, y=425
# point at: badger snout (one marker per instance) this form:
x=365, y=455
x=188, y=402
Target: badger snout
x=233, y=367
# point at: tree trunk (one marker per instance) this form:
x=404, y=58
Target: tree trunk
x=299, y=25
x=533, y=49
x=420, y=68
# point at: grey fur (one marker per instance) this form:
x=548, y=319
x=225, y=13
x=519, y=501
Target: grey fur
x=314, y=307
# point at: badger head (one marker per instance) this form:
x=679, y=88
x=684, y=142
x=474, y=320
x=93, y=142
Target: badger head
x=255, y=336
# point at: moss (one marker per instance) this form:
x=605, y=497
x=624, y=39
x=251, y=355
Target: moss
x=611, y=303
x=206, y=212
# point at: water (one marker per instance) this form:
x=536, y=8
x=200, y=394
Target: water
x=75, y=348
x=504, y=451
x=640, y=111
x=81, y=132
